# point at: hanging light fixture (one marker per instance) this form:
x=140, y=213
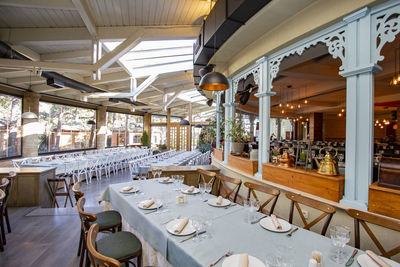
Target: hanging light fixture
x=395, y=81
x=29, y=114
x=91, y=122
x=198, y=125
x=184, y=122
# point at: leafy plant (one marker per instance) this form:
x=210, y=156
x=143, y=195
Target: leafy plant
x=145, y=139
x=236, y=132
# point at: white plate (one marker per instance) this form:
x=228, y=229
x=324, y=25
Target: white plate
x=267, y=224
x=365, y=261
x=213, y=202
x=234, y=261
x=167, y=182
x=195, y=191
x=133, y=190
x=152, y=207
x=188, y=230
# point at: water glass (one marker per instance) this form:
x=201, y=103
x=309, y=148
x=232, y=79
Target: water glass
x=247, y=205
x=340, y=236
x=202, y=188
x=208, y=187
x=197, y=223
x=153, y=172
x=159, y=172
x=254, y=205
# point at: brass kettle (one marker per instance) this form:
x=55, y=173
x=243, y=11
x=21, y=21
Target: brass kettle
x=328, y=165
x=286, y=160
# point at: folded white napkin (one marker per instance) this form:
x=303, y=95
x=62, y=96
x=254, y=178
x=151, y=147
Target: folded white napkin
x=190, y=190
x=219, y=201
x=243, y=260
x=127, y=188
x=147, y=203
x=165, y=180
x=276, y=223
x=377, y=259
x=181, y=225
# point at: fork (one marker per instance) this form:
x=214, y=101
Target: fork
x=229, y=253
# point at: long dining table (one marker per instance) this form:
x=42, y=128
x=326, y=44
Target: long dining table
x=228, y=230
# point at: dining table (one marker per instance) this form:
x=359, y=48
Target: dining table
x=227, y=229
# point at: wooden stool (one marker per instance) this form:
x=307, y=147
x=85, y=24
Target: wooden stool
x=54, y=191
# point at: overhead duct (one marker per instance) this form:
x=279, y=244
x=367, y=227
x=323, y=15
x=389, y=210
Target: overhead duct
x=7, y=52
x=127, y=100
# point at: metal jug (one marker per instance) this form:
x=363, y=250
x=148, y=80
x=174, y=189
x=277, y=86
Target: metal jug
x=328, y=165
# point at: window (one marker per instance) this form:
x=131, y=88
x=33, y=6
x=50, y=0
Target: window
x=158, y=118
x=175, y=119
x=158, y=136
x=66, y=127
x=124, y=129
x=286, y=129
x=10, y=126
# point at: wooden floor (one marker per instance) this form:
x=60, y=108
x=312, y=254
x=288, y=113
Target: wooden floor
x=50, y=240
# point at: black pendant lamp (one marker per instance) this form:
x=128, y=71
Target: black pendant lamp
x=198, y=125
x=184, y=122
x=214, y=81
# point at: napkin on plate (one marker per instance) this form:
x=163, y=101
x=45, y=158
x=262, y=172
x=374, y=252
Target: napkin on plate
x=127, y=188
x=243, y=260
x=190, y=190
x=377, y=259
x=181, y=225
x=276, y=223
x=165, y=180
x=147, y=203
x=219, y=201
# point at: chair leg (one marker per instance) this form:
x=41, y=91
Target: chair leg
x=139, y=261
x=80, y=243
x=83, y=253
x=7, y=220
x=1, y=244
x=3, y=233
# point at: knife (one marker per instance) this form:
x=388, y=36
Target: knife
x=351, y=259
x=191, y=236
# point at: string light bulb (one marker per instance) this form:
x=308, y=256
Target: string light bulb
x=280, y=105
x=291, y=107
x=306, y=101
x=283, y=111
x=298, y=106
x=340, y=114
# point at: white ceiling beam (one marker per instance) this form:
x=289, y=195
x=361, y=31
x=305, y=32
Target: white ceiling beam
x=119, y=51
x=59, y=4
x=87, y=18
x=60, y=35
x=46, y=66
x=107, y=78
x=145, y=84
x=66, y=55
x=22, y=80
x=29, y=53
x=184, y=87
x=171, y=101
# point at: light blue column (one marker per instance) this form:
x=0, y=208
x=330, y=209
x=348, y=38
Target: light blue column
x=359, y=72
x=229, y=113
x=218, y=110
x=264, y=94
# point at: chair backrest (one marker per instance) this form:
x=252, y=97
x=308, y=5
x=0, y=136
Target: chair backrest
x=206, y=177
x=85, y=217
x=362, y=217
x=274, y=194
x=8, y=188
x=2, y=195
x=77, y=193
x=223, y=188
x=327, y=210
x=96, y=258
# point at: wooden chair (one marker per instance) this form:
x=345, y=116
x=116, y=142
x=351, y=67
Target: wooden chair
x=77, y=193
x=2, y=196
x=362, y=217
x=327, y=211
x=110, y=251
x=224, y=190
x=6, y=186
x=206, y=177
x=264, y=189
x=54, y=186
x=107, y=220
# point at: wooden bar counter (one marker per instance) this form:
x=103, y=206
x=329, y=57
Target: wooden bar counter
x=191, y=176
x=329, y=187
x=243, y=164
x=30, y=186
x=385, y=201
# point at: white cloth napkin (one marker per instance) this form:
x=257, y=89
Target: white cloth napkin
x=219, y=201
x=147, y=203
x=276, y=223
x=190, y=189
x=181, y=225
x=243, y=260
x=127, y=188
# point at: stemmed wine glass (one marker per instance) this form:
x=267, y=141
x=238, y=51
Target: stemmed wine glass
x=153, y=172
x=208, y=187
x=159, y=171
x=340, y=236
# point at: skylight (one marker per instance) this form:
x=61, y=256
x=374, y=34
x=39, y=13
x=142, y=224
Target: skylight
x=156, y=57
x=193, y=96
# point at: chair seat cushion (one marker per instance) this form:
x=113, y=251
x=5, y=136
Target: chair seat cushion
x=119, y=246
x=107, y=219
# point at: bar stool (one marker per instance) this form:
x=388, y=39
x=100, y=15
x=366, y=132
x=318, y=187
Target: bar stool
x=107, y=220
x=113, y=249
x=6, y=186
x=54, y=186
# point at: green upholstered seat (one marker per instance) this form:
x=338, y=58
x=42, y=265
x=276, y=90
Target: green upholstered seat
x=107, y=219
x=120, y=245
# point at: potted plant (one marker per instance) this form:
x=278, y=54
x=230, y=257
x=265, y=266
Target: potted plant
x=145, y=139
x=237, y=134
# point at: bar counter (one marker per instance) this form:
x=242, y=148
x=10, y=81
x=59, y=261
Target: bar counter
x=30, y=186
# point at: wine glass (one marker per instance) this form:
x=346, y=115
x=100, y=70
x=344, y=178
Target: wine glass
x=208, y=187
x=159, y=172
x=247, y=206
x=197, y=223
x=254, y=206
x=340, y=236
x=153, y=172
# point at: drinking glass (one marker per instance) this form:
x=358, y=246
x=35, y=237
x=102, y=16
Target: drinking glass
x=197, y=223
x=202, y=188
x=247, y=206
x=340, y=236
x=159, y=173
x=207, y=227
x=153, y=172
x=208, y=187
x=254, y=206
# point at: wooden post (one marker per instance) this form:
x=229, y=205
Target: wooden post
x=147, y=125
x=189, y=130
x=168, y=128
